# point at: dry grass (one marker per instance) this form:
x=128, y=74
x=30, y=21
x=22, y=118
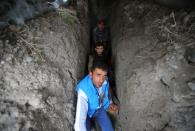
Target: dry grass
x=68, y=16
x=23, y=41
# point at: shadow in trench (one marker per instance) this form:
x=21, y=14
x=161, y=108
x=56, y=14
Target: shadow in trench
x=100, y=50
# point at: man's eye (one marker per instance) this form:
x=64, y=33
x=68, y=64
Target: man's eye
x=97, y=75
x=104, y=77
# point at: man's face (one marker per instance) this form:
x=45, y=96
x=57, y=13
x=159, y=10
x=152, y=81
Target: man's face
x=98, y=77
x=101, y=26
x=99, y=50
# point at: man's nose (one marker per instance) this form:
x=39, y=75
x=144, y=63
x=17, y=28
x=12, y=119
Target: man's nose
x=102, y=79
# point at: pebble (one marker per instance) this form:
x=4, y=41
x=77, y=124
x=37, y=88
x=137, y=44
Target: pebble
x=2, y=62
x=191, y=86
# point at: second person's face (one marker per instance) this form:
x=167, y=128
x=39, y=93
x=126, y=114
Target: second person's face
x=99, y=50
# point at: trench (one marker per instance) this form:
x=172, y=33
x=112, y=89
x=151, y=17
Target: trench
x=152, y=53
x=99, y=10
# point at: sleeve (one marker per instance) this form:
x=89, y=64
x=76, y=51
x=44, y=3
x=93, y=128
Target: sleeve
x=109, y=92
x=94, y=39
x=110, y=95
x=109, y=35
x=94, y=35
x=81, y=112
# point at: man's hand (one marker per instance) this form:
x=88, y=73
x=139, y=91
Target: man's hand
x=113, y=108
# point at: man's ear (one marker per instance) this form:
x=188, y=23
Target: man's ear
x=90, y=73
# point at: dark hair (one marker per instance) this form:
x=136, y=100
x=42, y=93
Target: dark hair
x=100, y=65
x=99, y=44
x=101, y=21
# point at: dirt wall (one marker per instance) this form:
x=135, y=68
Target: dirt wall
x=152, y=74
x=40, y=64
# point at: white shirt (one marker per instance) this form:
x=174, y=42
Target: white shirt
x=81, y=112
x=82, y=109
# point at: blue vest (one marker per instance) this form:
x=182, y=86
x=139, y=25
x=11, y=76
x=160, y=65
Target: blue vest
x=86, y=85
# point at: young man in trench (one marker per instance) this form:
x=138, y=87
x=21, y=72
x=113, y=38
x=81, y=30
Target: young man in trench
x=99, y=54
x=93, y=100
x=101, y=34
